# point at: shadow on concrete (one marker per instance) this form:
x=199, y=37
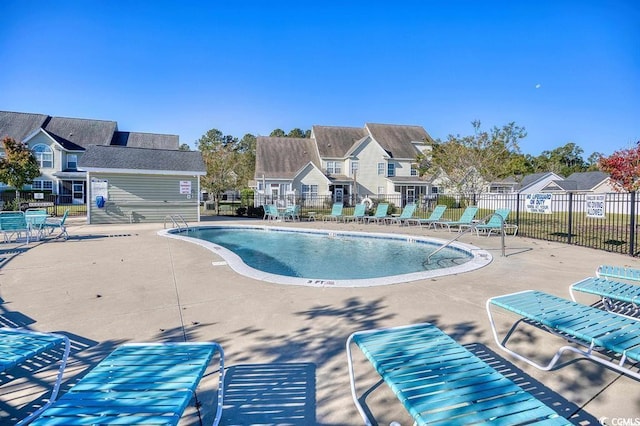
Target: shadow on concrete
x=272, y=393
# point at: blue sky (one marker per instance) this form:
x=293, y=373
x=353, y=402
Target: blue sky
x=568, y=71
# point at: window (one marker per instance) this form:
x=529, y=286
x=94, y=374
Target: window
x=354, y=167
x=42, y=185
x=434, y=189
x=380, y=169
x=309, y=191
x=44, y=156
x=391, y=169
x=334, y=167
x=72, y=162
x=414, y=171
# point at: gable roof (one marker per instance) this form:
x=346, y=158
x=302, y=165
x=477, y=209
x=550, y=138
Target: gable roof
x=166, y=161
x=335, y=141
x=76, y=134
x=145, y=140
x=72, y=133
x=282, y=158
x=587, y=180
x=19, y=125
x=534, y=178
x=396, y=139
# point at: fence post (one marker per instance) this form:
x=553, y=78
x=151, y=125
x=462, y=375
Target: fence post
x=632, y=224
x=570, y=222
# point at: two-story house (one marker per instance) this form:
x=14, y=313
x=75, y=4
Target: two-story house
x=344, y=163
x=59, y=142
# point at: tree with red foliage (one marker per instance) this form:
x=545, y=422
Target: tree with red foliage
x=624, y=167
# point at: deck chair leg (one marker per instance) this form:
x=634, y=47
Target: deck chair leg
x=352, y=381
x=56, y=387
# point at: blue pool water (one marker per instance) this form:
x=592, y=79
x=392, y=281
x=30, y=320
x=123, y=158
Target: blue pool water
x=325, y=256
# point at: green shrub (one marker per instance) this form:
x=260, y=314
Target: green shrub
x=448, y=201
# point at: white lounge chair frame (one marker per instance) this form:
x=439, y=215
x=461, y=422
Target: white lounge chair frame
x=578, y=321
x=33, y=344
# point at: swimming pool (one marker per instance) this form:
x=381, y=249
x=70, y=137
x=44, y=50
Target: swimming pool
x=331, y=258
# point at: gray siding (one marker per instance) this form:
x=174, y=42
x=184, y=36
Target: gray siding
x=143, y=199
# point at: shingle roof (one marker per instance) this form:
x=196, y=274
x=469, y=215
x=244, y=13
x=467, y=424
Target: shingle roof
x=19, y=125
x=72, y=133
x=281, y=158
x=145, y=140
x=396, y=139
x=587, y=180
x=334, y=141
x=118, y=157
x=529, y=180
x=77, y=134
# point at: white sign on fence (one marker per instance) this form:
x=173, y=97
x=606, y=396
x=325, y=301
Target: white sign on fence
x=595, y=205
x=538, y=203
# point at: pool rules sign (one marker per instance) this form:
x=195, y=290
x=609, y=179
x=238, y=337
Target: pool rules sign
x=185, y=188
x=595, y=205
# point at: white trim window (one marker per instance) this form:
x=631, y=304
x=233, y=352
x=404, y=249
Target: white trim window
x=72, y=161
x=42, y=185
x=44, y=156
x=309, y=191
x=334, y=167
x=381, y=169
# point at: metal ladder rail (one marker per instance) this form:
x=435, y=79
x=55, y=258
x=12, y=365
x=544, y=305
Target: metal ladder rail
x=176, y=219
x=471, y=229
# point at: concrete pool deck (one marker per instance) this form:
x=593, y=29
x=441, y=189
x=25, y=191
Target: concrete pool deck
x=284, y=345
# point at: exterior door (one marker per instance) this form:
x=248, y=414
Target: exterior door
x=77, y=192
x=411, y=195
x=338, y=195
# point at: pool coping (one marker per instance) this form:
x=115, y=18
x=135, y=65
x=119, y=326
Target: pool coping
x=480, y=258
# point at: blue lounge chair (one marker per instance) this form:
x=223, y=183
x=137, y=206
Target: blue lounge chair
x=379, y=215
x=51, y=225
x=17, y=346
x=435, y=216
x=440, y=382
x=611, y=293
x=497, y=222
x=618, y=272
x=336, y=213
x=616, y=336
x=139, y=383
x=407, y=213
x=465, y=219
x=291, y=212
x=358, y=213
x=270, y=212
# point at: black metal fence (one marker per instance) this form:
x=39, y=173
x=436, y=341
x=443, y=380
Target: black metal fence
x=601, y=221
x=54, y=204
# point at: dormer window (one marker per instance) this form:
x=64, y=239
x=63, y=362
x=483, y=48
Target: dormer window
x=334, y=167
x=44, y=156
